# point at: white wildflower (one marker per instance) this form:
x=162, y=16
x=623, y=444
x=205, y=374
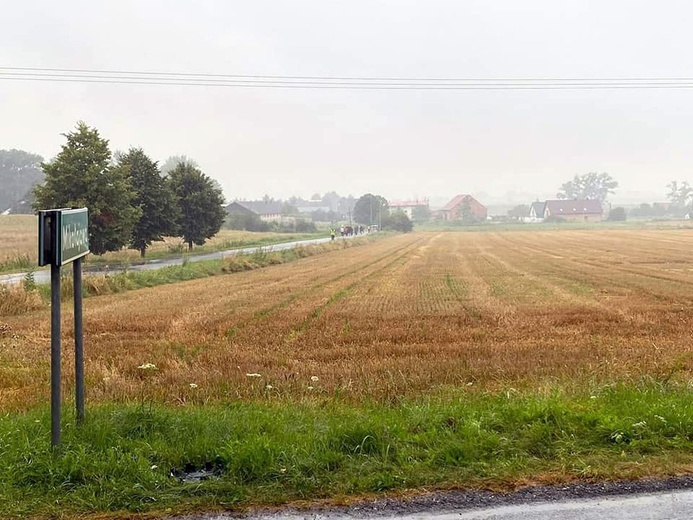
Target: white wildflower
x=269, y=387
x=154, y=467
x=253, y=375
x=193, y=385
x=315, y=379
x=310, y=388
x=147, y=366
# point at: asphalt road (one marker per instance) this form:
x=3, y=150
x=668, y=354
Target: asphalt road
x=675, y=505
x=653, y=499
x=44, y=276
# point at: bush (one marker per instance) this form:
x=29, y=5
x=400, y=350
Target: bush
x=617, y=214
x=246, y=222
x=398, y=221
x=305, y=226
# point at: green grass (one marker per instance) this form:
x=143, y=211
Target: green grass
x=24, y=262
x=224, y=245
x=16, y=263
x=552, y=226
x=126, y=458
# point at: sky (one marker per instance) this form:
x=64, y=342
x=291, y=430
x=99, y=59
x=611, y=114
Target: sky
x=500, y=145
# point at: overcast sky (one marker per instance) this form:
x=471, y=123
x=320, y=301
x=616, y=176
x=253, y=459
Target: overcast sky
x=401, y=144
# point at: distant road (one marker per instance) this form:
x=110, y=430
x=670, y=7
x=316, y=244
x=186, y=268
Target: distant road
x=44, y=276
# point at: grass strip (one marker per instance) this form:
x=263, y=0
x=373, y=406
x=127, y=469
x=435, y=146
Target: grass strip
x=211, y=247
x=29, y=296
x=131, y=458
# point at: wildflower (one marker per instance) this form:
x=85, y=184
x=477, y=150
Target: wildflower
x=315, y=379
x=593, y=397
x=148, y=366
x=154, y=467
x=269, y=387
x=310, y=388
x=282, y=470
x=193, y=385
x=253, y=375
x=470, y=383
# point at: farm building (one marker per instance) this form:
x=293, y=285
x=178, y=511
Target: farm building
x=408, y=206
x=454, y=210
x=267, y=210
x=536, y=212
x=574, y=210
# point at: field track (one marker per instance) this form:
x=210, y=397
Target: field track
x=404, y=315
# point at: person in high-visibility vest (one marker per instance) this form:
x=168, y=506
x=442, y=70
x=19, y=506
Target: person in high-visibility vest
x=332, y=233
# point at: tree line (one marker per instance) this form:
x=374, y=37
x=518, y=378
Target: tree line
x=130, y=201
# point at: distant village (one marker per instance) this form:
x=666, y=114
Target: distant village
x=461, y=209
x=584, y=198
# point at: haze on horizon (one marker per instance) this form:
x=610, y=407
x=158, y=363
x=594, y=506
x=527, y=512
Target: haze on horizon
x=401, y=144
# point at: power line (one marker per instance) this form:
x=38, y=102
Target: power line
x=333, y=82
x=338, y=78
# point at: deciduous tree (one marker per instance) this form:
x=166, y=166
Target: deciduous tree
x=200, y=200
x=20, y=171
x=153, y=195
x=369, y=209
x=398, y=221
x=518, y=212
x=680, y=193
x=593, y=185
x=81, y=176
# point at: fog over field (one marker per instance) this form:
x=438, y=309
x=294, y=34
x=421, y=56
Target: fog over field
x=497, y=144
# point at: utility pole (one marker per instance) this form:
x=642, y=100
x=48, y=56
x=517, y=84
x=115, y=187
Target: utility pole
x=380, y=215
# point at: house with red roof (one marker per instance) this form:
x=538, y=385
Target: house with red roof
x=456, y=208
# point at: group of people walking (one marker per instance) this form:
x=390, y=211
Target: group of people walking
x=347, y=231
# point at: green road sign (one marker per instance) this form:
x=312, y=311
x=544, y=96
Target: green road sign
x=74, y=235
x=63, y=235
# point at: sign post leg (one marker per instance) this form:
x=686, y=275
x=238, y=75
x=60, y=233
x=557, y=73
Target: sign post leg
x=79, y=340
x=55, y=356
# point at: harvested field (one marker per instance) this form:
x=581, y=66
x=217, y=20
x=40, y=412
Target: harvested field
x=403, y=316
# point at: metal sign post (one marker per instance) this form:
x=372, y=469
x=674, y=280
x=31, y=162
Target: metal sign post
x=64, y=238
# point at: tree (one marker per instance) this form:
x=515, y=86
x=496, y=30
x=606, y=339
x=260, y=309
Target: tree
x=370, y=209
x=680, y=195
x=331, y=200
x=519, y=212
x=172, y=162
x=81, y=176
x=617, y=214
x=200, y=201
x=398, y=221
x=420, y=213
x=593, y=185
x=467, y=216
x=20, y=171
x=153, y=195
x=289, y=209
